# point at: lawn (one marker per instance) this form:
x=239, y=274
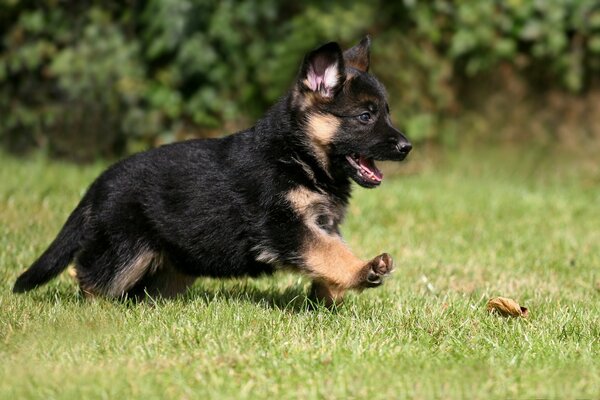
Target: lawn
x=464, y=225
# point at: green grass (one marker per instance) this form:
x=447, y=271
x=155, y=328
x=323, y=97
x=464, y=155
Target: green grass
x=464, y=226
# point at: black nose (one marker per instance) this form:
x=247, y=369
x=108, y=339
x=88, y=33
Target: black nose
x=404, y=147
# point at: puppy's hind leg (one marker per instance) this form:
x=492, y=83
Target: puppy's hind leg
x=166, y=281
x=112, y=271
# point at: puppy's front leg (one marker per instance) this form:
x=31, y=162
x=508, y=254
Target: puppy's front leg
x=325, y=256
x=335, y=269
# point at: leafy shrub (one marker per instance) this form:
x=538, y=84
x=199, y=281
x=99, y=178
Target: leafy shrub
x=84, y=79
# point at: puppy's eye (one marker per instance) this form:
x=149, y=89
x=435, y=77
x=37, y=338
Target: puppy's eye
x=364, y=117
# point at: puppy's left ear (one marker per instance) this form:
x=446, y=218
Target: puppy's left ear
x=359, y=56
x=322, y=71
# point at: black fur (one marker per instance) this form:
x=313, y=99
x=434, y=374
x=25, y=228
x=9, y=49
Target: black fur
x=218, y=207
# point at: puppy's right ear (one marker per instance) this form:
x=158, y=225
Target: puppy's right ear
x=322, y=70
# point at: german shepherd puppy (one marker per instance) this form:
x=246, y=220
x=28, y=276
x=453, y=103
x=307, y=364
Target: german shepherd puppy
x=269, y=197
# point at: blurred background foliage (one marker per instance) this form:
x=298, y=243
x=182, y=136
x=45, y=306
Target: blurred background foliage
x=83, y=79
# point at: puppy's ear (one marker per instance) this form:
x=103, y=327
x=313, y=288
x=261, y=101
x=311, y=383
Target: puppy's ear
x=359, y=56
x=322, y=71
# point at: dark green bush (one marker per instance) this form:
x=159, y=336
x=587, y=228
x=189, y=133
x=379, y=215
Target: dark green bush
x=92, y=78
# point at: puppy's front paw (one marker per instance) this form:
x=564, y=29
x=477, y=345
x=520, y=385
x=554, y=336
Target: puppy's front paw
x=377, y=269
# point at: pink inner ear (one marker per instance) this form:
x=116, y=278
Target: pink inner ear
x=323, y=83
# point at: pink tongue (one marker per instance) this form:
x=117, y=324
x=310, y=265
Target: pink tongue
x=370, y=168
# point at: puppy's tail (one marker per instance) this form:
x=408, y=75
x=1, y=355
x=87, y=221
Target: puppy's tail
x=56, y=257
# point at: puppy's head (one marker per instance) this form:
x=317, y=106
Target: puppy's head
x=344, y=112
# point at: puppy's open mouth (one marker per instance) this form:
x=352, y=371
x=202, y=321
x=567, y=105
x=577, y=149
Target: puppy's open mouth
x=366, y=169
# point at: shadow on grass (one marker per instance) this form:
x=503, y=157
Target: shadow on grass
x=293, y=298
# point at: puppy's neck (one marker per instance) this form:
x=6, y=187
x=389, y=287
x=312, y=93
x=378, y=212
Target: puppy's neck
x=286, y=142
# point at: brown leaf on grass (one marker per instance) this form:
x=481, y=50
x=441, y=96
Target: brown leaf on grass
x=506, y=307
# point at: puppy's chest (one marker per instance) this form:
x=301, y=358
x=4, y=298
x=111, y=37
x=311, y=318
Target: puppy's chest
x=319, y=211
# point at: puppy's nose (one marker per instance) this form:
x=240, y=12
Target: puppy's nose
x=404, y=147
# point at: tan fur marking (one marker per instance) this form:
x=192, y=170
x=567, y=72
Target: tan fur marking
x=321, y=130
x=266, y=255
x=131, y=273
x=326, y=255
x=72, y=272
x=304, y=202
x=328, y=258
x=306, y=83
